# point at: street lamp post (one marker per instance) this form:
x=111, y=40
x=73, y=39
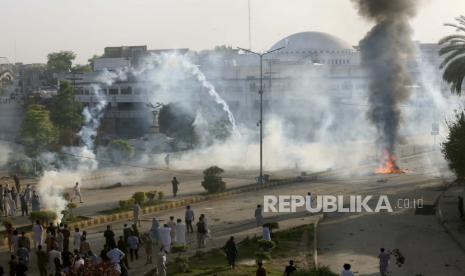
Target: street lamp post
x=260, y=122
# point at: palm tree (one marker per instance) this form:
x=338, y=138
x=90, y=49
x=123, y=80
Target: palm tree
x=453, y=48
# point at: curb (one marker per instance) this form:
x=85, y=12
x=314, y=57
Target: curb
x=104, y=219
x=445, y=225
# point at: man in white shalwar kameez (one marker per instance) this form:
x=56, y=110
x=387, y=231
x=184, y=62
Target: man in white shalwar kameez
x=37, y=231
x=180, y=232
x=165, y=237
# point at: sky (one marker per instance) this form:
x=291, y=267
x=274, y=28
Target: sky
x=38, y=27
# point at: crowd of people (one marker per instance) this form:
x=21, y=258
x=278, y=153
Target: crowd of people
x=64, y=251
x=15, y=198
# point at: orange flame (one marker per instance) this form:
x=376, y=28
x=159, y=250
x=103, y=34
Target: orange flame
x=388, y=165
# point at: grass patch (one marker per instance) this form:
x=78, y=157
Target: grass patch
x=288, y=243
x=120, y=209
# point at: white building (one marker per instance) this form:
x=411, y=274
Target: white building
x=311, y=62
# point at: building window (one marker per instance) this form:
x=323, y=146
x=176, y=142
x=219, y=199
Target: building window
x=113, y=91
x=126, y=90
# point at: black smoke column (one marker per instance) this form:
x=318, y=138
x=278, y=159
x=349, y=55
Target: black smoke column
x=385, y=51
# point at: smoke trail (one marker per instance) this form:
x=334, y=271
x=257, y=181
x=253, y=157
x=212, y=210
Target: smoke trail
x=5, y=151
x=384, y=53
x=194, y=70
x=53, y=183
x=92, y=119
x=169, y=69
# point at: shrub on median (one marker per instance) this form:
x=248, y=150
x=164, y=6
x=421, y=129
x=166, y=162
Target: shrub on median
x=212, y=180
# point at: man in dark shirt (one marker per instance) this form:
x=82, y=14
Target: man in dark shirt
x=109, y=237
x=289, y=269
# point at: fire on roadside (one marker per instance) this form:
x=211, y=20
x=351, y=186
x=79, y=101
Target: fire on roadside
x=388, y=165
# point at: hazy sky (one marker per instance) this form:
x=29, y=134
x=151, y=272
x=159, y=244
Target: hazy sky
x=87, y=26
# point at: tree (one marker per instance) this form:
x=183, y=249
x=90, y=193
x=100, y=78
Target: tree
x=212, y=180
x=120, y=150
x=65, y=113
x=454, y=146
x=177, y=122
x=37, y=132
x=60, y=62
x=86, y=68
x=453, y=48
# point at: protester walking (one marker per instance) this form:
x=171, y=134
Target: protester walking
x=231, y=252
x=189, y=219
x=175, y=184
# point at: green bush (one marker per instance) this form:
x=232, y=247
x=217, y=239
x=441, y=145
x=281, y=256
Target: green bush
x=453, y=148
x=126, y=204
x=43, y=216
x=161, y=195
x=266, y=245
x=139, y=197
x=151, y=196
x=212, y=180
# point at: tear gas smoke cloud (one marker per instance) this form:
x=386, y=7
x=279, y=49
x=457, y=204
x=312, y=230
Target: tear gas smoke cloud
x=385, y=51
x=167, y=71
x=4, y=153
x=53, y=183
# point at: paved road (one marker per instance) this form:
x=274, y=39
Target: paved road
x=349, y=238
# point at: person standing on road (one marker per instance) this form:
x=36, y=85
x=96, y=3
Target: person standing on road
x=28, y=194
x=135, y=213
x=175, y=184
x=115, y=255
x=154, y=231
x=172, y=225
x=384, y=262
x=201, y=233
x=259, y=215
x=77, y=193
x=66, y=235
x=37, y=231
x=180, y=232
x=122, y=245
x=133, y=244
x=148, y=247
x=77, y=239
x=17, y=183
x=289, y=269
x=189, y=219
x=109, y=236
x=24, y=203
x=165, y=237
x=231, y=252
x=35, y=202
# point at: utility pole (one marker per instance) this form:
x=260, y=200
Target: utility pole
x=250, y=28
x=260, y=122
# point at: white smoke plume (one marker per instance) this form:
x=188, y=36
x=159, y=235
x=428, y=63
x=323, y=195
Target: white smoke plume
x=5, y=151
x=53, y=183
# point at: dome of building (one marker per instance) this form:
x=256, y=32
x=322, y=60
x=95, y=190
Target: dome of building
x=311, y=41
